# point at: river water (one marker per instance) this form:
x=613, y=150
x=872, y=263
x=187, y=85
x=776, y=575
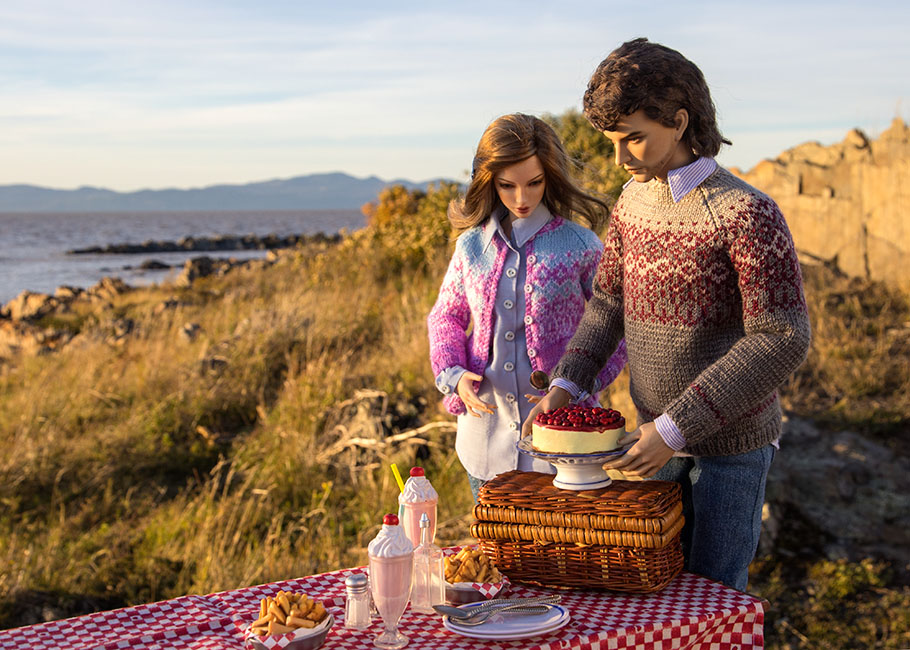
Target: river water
x=33, y=245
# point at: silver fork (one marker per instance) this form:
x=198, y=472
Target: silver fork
x=457, y=613
x=484, y=616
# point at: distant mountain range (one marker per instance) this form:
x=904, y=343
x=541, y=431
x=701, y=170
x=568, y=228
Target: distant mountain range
x=332, y=191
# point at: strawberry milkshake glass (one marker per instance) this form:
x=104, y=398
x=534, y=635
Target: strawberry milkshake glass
x=391, y=577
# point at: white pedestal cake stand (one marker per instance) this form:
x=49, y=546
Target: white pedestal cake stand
x=574, y=471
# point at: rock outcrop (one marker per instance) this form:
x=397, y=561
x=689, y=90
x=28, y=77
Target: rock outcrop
x=20, y=330
x=847, y=203
x=217, y=243
x=21, y=337
x=850, y=490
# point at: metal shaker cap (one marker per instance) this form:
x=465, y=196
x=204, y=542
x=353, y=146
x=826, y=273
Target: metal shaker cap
x=356, y=582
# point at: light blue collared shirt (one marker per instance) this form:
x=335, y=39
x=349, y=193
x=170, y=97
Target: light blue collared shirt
x=486, y=445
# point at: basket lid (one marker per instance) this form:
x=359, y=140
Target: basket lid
x=534, y=491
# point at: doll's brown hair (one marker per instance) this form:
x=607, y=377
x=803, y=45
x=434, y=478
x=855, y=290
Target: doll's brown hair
x=511, y=139
x=640, y=75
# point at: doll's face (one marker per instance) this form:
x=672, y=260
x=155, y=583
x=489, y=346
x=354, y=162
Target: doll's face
x=520, y=187
x=647, y=149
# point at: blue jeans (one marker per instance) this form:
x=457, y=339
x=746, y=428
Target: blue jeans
x=475, y=484
x=722, y=503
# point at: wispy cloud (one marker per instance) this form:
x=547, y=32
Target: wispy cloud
x=139, y=94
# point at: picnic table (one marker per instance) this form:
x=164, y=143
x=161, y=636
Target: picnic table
x=691, y=612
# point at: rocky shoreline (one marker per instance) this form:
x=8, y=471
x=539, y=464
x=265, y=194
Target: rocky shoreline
x=209, y=244
x=23, y=326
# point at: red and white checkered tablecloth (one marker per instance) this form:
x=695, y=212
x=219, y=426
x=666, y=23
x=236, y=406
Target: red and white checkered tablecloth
x=691, y=612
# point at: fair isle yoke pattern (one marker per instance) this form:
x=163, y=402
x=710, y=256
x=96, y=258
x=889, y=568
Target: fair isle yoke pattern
x=708, y=294
x=561, y=261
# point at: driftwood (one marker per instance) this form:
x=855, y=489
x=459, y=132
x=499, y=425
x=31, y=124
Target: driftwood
x=361, y=435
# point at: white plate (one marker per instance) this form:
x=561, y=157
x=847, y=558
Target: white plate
x=513, y=627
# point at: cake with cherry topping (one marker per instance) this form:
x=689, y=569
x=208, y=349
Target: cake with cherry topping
x=577, y=430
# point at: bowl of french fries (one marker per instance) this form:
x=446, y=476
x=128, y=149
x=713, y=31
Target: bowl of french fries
x=290, y=621
x=471, y=576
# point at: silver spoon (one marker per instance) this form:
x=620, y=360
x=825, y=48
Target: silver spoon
x=495, y=604
x=484, y=616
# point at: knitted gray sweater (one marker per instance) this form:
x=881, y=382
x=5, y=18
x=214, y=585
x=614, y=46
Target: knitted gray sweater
x=708, y=294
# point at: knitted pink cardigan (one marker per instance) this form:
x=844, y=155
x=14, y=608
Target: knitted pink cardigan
x=561, y=261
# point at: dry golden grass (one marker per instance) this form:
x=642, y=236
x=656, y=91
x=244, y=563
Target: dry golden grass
x=857, y=374
x=152, y=466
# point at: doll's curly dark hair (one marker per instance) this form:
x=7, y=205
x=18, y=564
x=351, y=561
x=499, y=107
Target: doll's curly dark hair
x=640, y=75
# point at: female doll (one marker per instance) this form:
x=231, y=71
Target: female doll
x=514, y=291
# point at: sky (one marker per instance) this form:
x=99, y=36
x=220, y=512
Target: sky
x=141, y=94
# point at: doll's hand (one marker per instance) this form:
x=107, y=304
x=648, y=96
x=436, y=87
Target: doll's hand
x=647, y=454
x=553, y=400
x=468, y=395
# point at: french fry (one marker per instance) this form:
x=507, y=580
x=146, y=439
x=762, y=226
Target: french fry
x=283, y=603
x=295, y=622
x=317, y=613
x=482, y=574
x=278, y=615
x=278, y=628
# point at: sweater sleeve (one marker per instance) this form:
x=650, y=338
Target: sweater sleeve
x=449, y=319
x=775, y=322
x=601, y=327
x=617, y=361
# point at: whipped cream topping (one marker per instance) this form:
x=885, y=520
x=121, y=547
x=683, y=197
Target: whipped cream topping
x=390, y=542
x=417, y=489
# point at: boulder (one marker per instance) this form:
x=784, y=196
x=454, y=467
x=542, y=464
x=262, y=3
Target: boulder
x=852, y=490
x=29, y=306
x=20, y=337
x=195, y=268
x=66, y=292
x=107, y=288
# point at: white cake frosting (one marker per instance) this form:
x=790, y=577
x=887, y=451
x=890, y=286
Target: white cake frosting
x=570, y=441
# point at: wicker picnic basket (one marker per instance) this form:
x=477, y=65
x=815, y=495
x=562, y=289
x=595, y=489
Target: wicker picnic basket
x=624, y=537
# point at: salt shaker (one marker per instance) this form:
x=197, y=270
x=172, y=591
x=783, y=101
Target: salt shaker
x=357, y=602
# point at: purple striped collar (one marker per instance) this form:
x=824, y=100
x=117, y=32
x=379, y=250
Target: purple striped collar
x=685, y=179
